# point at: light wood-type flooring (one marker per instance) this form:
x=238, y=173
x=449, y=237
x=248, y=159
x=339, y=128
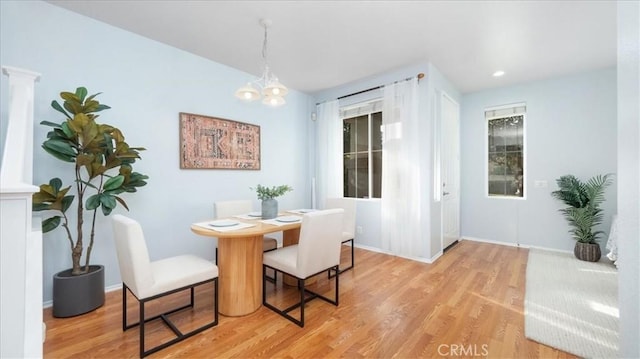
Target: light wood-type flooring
x=469, y=303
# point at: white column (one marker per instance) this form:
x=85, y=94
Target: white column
x=17, y=160
x=20, y=245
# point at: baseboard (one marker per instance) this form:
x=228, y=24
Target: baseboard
x=483, y=240
x=378, y=250
x=510, y=244
x=111, y=288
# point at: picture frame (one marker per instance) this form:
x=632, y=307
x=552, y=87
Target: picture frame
x=216, y=143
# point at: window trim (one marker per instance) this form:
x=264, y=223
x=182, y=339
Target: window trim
x=368, y=108
x=501, y=112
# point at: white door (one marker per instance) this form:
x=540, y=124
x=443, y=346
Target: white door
x=450, y=167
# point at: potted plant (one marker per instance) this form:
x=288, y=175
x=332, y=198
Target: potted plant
x=101, y=172
x=584, y=212
x=267, y=196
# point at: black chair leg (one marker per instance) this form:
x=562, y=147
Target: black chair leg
x=305, y=296
x=331, y=273
x=164, y=316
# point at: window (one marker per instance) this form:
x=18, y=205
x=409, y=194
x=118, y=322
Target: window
x=505, y=151
x=362, y=150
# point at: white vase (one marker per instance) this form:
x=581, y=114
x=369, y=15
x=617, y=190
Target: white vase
x=269, y=208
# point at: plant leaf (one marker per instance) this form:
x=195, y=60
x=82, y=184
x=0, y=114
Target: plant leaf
x=113, y=183
x=50, y=124
x=122, y=202
x=60, y=149
x=59, y=108
x=50, y=224
x=81, y=92
x=93, y=202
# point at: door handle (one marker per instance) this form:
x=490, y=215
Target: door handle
x=445, y=193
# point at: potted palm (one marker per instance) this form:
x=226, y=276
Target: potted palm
x=268, y=197
x=584, y=212
x=102, y=170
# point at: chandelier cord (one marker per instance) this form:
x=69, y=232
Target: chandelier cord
x=268, y=86
x=264, y=47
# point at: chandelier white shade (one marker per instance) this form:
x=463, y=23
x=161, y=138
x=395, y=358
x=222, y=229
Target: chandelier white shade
x=267, y=86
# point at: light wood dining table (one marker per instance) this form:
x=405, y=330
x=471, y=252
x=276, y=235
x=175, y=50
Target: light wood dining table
x=240, y=263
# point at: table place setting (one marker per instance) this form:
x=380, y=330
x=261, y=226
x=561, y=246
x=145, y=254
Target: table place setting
x=224, y=225
x=283, y=220
x=250, y=215
x=301, y=211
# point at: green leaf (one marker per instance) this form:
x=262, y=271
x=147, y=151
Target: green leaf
x=66, y=202
x=101, y=108
x=59, y=108
x=67, y=130
x=60, y=149
x=113, y=183
x=106, y=211
x=37, y=207
x=93, y=202
x=81, y=92
x=50, y=124
x=108, y=201
x=50, y=224
x=56, y=184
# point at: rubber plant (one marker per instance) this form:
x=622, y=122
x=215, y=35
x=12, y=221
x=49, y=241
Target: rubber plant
x=102, y=170
x=584, y=200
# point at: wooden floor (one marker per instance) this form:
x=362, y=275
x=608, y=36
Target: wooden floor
x=469, y=303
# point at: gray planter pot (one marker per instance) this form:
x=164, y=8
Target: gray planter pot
x=78, y=294
x=589, y=252
x=269, y=208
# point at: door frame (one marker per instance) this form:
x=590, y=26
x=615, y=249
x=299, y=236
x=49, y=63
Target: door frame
x=444, y=95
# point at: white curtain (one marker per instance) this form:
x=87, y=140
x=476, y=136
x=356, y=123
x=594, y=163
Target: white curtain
x=401, y=193
x=329, y=152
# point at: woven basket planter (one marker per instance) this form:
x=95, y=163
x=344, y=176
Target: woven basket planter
x=589, y=252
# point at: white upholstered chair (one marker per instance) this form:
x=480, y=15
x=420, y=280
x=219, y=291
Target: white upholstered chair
x=348, y=224
x=148, y=280
x=317, y=251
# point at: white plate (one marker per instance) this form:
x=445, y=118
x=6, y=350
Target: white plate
x=254, y=214
x=306, y=210
x=223, y=223
x=288, y=219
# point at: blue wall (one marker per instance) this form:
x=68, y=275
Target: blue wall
x=147, y=84
x=570, y=128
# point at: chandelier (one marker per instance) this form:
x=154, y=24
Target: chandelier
x=268, y=84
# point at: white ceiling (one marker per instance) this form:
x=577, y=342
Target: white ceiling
x=315, y=45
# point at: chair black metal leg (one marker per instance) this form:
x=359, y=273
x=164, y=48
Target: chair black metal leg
x=273, y=279
x=141, y=321
x=124, y=307
x=305, y=296
x=164, y=316
x=331, y=274
x=301, y=286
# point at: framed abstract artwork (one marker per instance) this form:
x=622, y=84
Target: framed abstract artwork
x=217, y=143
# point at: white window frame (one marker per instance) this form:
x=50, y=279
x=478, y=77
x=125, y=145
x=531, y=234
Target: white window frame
x=359, y=109
x=492, y=113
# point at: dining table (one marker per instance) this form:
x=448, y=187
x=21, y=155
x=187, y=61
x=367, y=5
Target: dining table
x=240, y=256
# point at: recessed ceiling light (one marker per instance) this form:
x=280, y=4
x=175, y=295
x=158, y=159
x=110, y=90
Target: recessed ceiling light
x=498, y=73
